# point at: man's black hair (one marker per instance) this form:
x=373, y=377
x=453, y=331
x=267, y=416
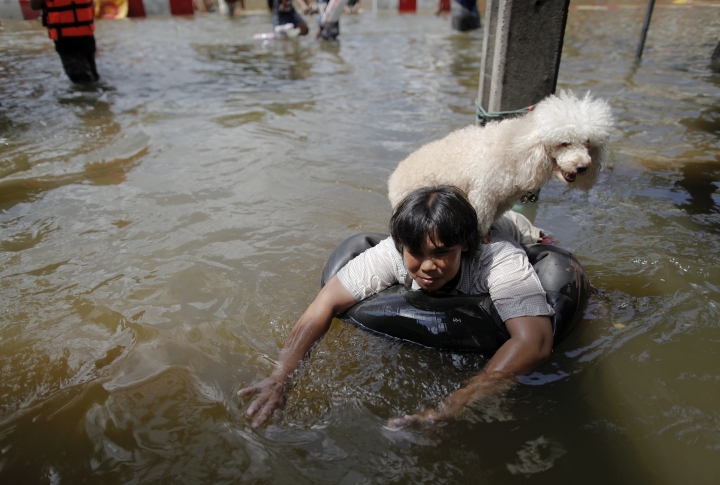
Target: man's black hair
x=441, y=213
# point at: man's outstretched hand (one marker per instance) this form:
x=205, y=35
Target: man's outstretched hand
x=423, y=417
x=269, y=399
x=429, y=416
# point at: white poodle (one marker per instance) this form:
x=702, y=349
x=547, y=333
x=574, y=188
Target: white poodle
x=503, y=162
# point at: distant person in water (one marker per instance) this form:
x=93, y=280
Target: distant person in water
x=465, y=14
x=232, y=5
x=284, y=13
x=434, y=247
x=353, y=6
x=330, y=29
x=72, y=27
x=203, y=6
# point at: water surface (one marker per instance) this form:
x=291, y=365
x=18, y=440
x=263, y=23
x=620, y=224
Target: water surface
x=161, y=232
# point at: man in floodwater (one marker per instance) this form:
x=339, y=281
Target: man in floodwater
x=434, y=247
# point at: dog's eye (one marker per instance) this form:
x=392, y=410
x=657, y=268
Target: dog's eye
x=565, y=144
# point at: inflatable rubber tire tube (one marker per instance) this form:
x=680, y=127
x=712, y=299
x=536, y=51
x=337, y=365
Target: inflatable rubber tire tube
x=461, y=323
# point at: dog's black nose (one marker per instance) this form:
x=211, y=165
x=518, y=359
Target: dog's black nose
x=582, y=169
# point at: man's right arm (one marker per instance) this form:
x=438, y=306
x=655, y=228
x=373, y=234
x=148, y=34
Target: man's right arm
x=332, y=300
x=370, y=272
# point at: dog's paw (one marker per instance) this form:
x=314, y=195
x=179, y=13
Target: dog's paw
x=548, y=240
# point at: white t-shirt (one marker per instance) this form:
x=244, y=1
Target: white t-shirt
x=500, y=268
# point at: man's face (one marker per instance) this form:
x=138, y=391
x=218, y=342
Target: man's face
x=434, y=266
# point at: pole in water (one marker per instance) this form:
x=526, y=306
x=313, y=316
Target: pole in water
x=646, y=25
x=715, y=59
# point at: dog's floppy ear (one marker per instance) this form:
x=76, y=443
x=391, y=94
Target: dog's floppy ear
x=536, y=169
x=533, y=162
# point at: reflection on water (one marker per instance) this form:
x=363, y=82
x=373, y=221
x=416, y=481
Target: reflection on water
x=700, y=181
x=160, y=233
x=286, y=61
x=539, y=455
x=701, y=173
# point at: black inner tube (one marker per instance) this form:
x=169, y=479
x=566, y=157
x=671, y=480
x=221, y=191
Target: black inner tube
x=461, y=323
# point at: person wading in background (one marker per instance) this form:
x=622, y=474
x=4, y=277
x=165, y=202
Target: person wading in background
x=465, y=14
x=71, y=26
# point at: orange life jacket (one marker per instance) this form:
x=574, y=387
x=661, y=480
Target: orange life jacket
x=69, y=18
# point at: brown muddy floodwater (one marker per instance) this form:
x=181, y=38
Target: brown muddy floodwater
x=162, y=231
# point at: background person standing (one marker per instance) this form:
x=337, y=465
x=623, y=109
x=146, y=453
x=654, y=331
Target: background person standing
x=284, y=13
x=71, y=25
x=465, y=14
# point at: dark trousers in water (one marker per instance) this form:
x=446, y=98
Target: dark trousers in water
x=329, y=31
x=463, y=18
x=78, y=58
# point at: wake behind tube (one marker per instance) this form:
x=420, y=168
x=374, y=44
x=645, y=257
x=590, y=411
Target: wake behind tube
x=461, y=323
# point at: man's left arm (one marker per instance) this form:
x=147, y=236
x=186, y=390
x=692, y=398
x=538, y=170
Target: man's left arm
x=516, y=291
x=530, y=344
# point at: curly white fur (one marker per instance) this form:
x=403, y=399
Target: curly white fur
x=497, y=164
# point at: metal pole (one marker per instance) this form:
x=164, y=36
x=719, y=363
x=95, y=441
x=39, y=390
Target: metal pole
x=646, y=25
